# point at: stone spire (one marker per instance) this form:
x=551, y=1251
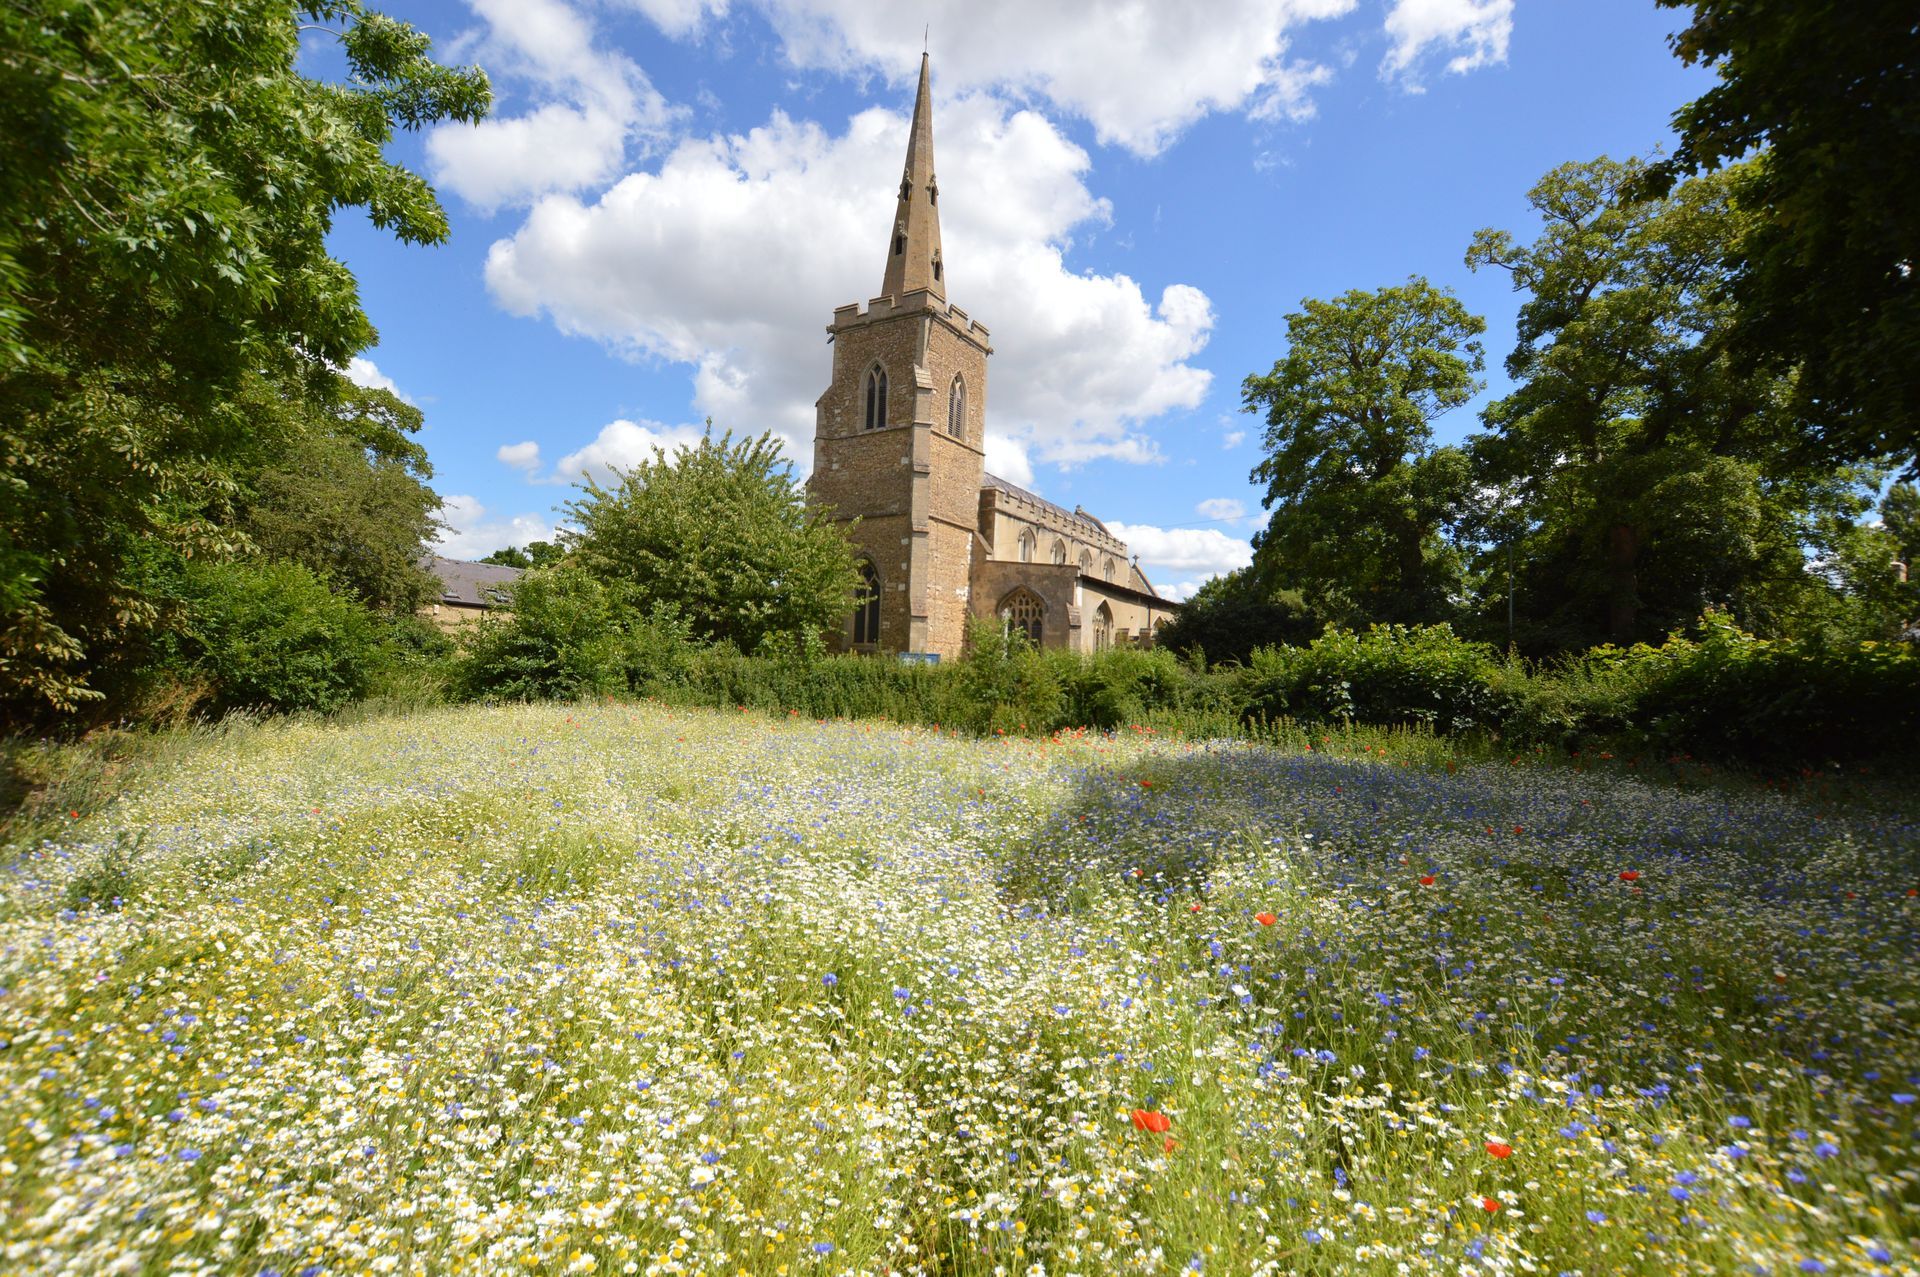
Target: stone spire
x=913, y=250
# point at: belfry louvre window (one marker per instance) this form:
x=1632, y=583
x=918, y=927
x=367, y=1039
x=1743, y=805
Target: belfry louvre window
x=876, y=399
x=866, y=617
x=957, y=409
x=1022, y=610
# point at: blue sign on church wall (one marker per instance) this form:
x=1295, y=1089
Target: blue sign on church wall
x=920, y=658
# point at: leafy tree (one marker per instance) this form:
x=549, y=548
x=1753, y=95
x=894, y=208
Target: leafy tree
x=1652, y=476
x=1361, y=496
x=719, y=532
x=1231, y=615
x=1900, y=516
x=167, y=183
x=535, y=554
x=1826, y=279
x=343, y=492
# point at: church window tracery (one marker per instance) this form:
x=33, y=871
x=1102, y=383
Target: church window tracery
x=1027, y=543
x=957, y=408
x=1102, y=628
x=876, y=398
x=1022, y=610
x=866, y=616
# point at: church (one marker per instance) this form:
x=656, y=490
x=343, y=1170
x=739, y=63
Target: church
x=899, y=445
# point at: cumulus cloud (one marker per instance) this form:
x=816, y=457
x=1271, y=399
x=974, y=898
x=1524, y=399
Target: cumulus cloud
x=1477, y=29
x=521, y=456
x=362, y=371
x=724, y=258
x=1140, y=71
x=1232, y=439
x=1008, y=459
x=1223, y=508
x=584, y=105
x=473, y=531
x=621, y=445
x=1187, y=557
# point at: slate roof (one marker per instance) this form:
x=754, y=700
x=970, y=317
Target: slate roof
x=472, y=584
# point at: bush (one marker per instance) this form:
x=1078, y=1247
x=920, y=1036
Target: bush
x=563, y=641
x=1419, y=674
x=1731, y=695
x=269, y=636
x=1004, y=683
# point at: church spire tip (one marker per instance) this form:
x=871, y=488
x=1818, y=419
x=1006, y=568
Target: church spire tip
x=913, y=251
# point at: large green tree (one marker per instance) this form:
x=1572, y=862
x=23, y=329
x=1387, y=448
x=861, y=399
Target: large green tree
x=339, y=486
x=720, y=533
x=1826, y=278
x=1652, y=475
x=1361, y=496
x=167, y=182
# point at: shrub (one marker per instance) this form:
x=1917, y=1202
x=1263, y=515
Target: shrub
x=1004, y=682
x=269, y=635
x=1419, y=674
x=563, y=641
x=1732, y=695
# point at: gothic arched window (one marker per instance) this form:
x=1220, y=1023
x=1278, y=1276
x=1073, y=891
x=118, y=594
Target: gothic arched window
x=1022, y=610
x=876, y=398
x=866, y=612
x=1107, y=569
x=1060, y=553
x=1102, y=628
x=957, y=409
x=1027, y=543
x=1086, y=561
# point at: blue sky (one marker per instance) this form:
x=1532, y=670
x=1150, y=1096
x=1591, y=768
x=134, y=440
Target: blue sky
x=672, y=196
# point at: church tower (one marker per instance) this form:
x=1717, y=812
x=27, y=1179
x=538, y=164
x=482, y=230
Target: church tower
x=900, y=435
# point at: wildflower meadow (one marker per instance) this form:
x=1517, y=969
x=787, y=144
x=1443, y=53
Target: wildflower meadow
x=621, y=988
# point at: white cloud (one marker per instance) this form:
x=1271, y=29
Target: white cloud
x=739, y=246
x=1141, y=71
x=521, y=456
x=1233, y=439
x=472, y=531
x=362, y=371
x=1190, y=556
x=1222, y=508
x=622, y=445
x=679, y=18
x=587, y=104
x=1478, y=29
x=1008, y=459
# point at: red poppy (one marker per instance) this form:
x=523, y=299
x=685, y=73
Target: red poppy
x=1488, y=1205
x=1629, y=875
x=1500, y=1149
x=1194, y=907
x=1156, y=1123
x=1265, y=919
x=1169, y=1144
x=1518, y=830
x=1426, y=880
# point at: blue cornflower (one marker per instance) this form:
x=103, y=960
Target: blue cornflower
x=830, y=979
x=823, y=1248
x=1596, y=1217
x=1826, y=1148
x=1739, y=1123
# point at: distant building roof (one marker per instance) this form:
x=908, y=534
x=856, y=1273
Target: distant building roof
x=472, y=584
